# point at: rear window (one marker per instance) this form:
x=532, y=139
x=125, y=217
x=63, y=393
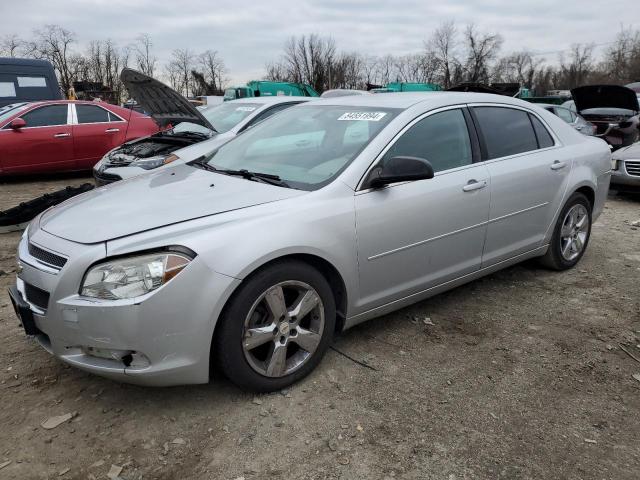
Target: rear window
x=545, y=140
x=506, y=131
x=91, y=114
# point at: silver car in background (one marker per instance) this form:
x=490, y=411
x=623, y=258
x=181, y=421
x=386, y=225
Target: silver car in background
x=329, y=214
x=625, y=164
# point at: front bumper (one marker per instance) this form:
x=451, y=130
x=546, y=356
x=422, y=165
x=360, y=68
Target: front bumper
x=627, y=174
x=167, y=332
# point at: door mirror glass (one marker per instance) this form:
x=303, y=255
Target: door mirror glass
x=17, y=124
x=400, y=169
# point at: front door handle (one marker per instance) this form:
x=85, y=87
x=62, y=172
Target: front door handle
x=557, y=165
x=474, y=185
x=61, y=135
x=111, y=130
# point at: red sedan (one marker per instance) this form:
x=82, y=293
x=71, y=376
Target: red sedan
x=55, y=136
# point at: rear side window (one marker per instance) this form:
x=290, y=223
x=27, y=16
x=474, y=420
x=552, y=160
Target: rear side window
x=91, y=114
x=442, y=139
x=506, y=131
x=46, y=116
x=545, y=140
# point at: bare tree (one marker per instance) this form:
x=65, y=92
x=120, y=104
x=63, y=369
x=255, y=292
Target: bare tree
x=10, y=45
x=442, y=46
x=576, y=69
x=213, y=71
x=54, y=43
x=481, y=50
x=179, y=70
x=309, y=59
x=145, y=60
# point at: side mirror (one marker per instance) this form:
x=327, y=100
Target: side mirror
x=400, y=169
x=17, y=124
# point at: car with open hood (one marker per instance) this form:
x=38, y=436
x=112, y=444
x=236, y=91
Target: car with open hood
x=613, y=109
x=252, y=258
x=182, y=125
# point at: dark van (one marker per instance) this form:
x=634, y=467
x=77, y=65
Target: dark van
x=27, y=80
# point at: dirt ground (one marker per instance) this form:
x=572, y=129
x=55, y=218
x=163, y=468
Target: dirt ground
x=520, y=375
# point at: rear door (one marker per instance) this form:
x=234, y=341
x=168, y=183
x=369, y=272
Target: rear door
x=96, y=130
x=529, y=174
x=44, y=144
x=416, y=235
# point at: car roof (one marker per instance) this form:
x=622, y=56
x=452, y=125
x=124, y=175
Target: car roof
x=272, y=99
x=405, y=100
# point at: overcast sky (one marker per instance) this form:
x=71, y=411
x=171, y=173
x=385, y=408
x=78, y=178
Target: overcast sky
x=249, y=34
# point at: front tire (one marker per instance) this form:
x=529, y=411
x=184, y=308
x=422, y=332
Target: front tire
x=571, y=234
x=276, y=328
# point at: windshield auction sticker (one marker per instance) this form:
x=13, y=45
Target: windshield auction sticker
x=363, y=116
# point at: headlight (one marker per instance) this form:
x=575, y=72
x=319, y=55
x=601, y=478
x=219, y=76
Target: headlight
x=153, y=162
x=614, y=164
x=132, y=277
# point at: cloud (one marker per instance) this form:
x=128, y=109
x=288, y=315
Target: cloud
x=251, y=34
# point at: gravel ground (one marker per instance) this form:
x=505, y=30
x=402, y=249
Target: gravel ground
x=520, y=375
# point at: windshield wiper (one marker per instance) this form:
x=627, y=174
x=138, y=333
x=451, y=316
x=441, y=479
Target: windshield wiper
x=201, y=162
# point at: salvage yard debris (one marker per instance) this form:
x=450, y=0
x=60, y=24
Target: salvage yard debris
x=53, y=422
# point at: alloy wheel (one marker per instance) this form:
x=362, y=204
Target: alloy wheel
x=283, y=328
x=574, y=232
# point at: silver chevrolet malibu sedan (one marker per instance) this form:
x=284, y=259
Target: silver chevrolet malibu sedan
x=252, y=257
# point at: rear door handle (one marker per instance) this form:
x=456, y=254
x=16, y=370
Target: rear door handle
x=61, y=135
x=111, y=130
x=557, y=165
x=474, y=185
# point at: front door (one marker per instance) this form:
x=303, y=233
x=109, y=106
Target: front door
x=44, y=144
x=415, y=235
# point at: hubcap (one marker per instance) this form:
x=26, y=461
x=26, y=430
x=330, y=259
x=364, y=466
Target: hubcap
x=574, y=232
x=283, y=328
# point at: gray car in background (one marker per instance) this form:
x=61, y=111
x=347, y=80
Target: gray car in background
x=329, y=214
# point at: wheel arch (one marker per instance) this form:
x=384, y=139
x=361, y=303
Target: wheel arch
x=325, y=267
x=589, y=192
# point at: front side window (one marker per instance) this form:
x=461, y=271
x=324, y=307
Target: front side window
x=506, y=131
x=91, y=114
x=442, y=139
x=267, y=113
x=46, y=116
x=307, y=146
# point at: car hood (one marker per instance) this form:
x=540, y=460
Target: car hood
x=162, y=103
x=154, y=200
x=632, y=152
x=605, y=96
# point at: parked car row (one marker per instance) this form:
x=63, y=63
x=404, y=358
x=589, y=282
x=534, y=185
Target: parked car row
x=250, y=253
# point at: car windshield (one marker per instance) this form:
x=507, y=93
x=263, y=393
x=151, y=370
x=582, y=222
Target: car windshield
x=305, y=146
x=223, y=117
x=10, y=110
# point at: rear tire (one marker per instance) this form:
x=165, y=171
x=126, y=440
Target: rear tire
x=276, y=328
x=571, y=234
